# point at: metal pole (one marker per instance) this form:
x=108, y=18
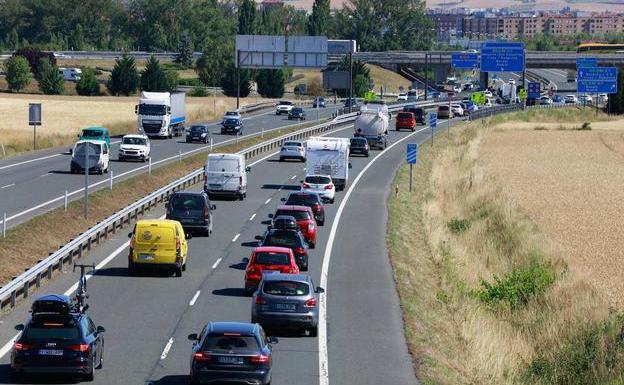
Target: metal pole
x=149, y=166
x=65, y=200
x=110, y=180
x=262, y=133
x=3, y=151
x=4, y=225
x=214, y=100
x=237, y=80
x=426, y=73
x=179, y=155
x=34, y=136
x=411, y=168
x=86, y=179
x=350, y=80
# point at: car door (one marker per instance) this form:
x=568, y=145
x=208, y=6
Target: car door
x=94, y=339
x=105, y=155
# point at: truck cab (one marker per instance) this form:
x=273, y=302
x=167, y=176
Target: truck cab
x=161, y=114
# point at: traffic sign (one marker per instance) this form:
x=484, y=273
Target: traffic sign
x=597, y=80
x=461, y=60
x=523, y=94
x=503, y=56
x=584, y=62
x=534, y=90
x=34, y=114
x=412, y=153
x=433, y=119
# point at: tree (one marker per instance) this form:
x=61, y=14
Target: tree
x=319, y=18
x=247, y=17
x=616, y=101
x=34, y=56
x=88, y=84
x=154, y=78
x=228, y=82
x=360, y=85
x=124, y=79
x=270, y=83
x=50, y=80
x=185, y=51
x=18, y=74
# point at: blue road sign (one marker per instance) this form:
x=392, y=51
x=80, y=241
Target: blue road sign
x=412, y=153
x=433, y=119
x=502, y=56
x=597, y=80
x=460, y=60
x=583, y=62
x=534, y=90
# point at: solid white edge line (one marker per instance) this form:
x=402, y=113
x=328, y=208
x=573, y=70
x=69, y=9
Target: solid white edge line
x=194, y=299
x=252, y=217
x=322, y=325
x=218, y=261
x=163, y=355
x=235, y=237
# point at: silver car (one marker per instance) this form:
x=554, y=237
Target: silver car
x=287, y=301
x=293, y=150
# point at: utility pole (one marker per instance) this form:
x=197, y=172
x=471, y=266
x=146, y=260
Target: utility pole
x=350, y=80
x=237, y=80
x=426, y=73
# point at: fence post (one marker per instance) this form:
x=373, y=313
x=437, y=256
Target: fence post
x=110, y=180
x=180, y=156
x=4, y=225
x=149, y=166
x=65, y=200
x=211, y=143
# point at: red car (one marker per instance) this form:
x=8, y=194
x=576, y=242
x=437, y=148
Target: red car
x=268, y=258
x=305, y=219
x=406, y=120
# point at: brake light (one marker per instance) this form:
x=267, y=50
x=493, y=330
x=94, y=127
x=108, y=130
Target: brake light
x=20, y=347
x=202, y=357
x=310, y=303
x=260, y=300
x=206, y=212
x=317, y=206
x=299, y=250
x=178, y=245
x=329, y=187
x=310, y=226
x=306, y=185
x=82, y=348
x=260, y=359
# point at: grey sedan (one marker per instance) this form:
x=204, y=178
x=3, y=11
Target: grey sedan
x=288, y=301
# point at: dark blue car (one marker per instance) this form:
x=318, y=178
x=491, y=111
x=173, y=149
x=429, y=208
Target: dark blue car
x=231, y=352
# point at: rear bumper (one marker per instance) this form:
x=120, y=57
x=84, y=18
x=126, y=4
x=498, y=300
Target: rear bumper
x=222, y=192
x=287, y=320
x=156, y=266
x=206, y=376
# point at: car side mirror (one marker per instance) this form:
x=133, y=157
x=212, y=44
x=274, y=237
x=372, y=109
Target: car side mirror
x=283, y=199
x=71, y=151
x=19, y=327
x=320, y=290
x=273, y=340
x=300, y=181
x=247, y=169
x=245, y=260
x=193, y=337
x=129, y=235
x=213, y=207
x=350, y=165
x=78, y=136
x=100, y=329
x=270, y=215
x=188, y=235
x=258, y=237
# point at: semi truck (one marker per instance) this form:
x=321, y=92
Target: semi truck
x=373, y=123
x=161, y=114
x=330, y=157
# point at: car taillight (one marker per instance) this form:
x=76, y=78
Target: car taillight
x=260, y=359
x=310, y=303
x=299, y=250
x=329, y=187
x=306, y=185
x=202, y=357
x=178, y=245
x=206, y=212
x=260, y=301
x=82, y=348
x=316, y=207
x=20, y=347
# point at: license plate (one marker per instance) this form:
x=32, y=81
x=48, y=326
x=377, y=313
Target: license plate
x=213, y=185
x=146, y=257
x=50, y=352
x=187, y=220
x=285, y=306
x=231, y=360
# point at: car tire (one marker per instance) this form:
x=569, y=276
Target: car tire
x=14, y=375
x=304, y=267
x=178, y=272
x=101, y=363
x=121, y=159
x=313, y=331
x=312, y=245
x=193, y=381
x=132, y=270
x=331, y=201
x=89, y=377
x=169, y=134
x=184, y=267
x=241, y=197
x=321, y=222
x=106, y=170
x=366, y=155
x=281, y=158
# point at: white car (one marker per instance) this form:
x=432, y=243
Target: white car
x=570, y=99
x=488, y=94
x=232, y=115
x=320, y=184
x=457, y=88
x=293, y=150
x=284, y=107
x=512, y=81
x=90, y=156
x=457, y=110
x=545, y=100
x=603, y=98
x=586, y=99
x=134, y=147
x=402, y=98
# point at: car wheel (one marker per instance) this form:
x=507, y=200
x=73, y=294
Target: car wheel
x=331, y=201
x=184, y=267
x=14, y=375
x=193, y=380
x=90, y=376
x=313, y=331
x=121, y=159
x=169, y=134
x=101, y=364
x=106, y=170
x=321, y=222
x=241, y=197
x=178, y=272
x=132, y=270
x=304, y=267
x=281, y=158
x=222, y=132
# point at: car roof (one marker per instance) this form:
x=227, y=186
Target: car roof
x=293, y=208
x=232, y=327
x=286, y=277
x=197, y=193
x=97, y=128
x=150, y=222
x=271, y=249
x=135, y=136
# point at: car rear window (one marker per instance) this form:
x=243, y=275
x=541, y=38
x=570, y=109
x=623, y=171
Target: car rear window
x=404, y=115
x=264, y=258
x=318, y=179
x=198, y=128
x=233, y=342
x=187, y=202
x=299, y=215
x=284, y=240
x=92, y=133
x=305, y=200
x=443, y=108
x=52, y=331
x=293, y=144
x=286, y=288
x=285, y=103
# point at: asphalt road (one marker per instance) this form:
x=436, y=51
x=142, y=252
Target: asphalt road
x=145, y=315
x=557, y=76
x=32, y=179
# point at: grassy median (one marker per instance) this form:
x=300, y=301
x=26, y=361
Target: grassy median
x=485, y=298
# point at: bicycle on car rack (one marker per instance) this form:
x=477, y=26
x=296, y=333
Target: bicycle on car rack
x=80, y=304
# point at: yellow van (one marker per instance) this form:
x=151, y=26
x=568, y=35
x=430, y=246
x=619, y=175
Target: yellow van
x=158, y=243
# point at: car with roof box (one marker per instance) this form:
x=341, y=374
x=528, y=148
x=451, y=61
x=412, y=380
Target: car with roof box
x=268, y=259
x=310, y=199
x=305, y=219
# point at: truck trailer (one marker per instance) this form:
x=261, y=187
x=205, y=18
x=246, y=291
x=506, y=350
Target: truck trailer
x=372, y=124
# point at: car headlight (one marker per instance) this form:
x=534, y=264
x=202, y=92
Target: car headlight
x=203, y=135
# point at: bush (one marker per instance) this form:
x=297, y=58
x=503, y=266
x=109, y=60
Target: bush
x=198, y=91
x=88, y=84
x=458, y=225
x=34, y=56
x=193, y=82
x=517, y=287
x=585, y=127
x=17, y=73
x=50, y=81
x=124, y=78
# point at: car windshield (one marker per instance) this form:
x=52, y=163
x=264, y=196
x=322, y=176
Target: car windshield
x=285, y=103
x=443, y=108
x=297, y=110
x=94, y=149
x=53, y=331
x=299, y=215
x=286, y=288
x=404, y=115
x=263, y=258
x=293, y=144
x=199, y=129
x=231, y=342
x=93, y=133
x=135, y=141
x=231, y=121
x=282, y=240
x=152, y=109
x=187, y=202
x=318, y=179
x=358, y=141
x=301, y=199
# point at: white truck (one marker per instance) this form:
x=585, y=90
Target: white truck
x=329, y=156
x=161, y=114
x=373, y=123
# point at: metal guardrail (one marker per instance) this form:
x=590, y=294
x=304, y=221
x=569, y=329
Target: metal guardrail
x=20, y=286
x=488, y=112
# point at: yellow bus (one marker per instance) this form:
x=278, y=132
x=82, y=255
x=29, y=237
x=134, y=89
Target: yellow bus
x=600, y=48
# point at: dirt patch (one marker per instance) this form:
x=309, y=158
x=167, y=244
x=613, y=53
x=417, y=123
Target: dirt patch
x=570, y=184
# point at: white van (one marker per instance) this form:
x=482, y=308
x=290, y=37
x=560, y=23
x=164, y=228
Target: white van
x=70, y=74
x=98, y=155
x=226, y=174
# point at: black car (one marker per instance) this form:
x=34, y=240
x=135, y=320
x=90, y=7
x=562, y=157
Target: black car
x=231, y=352
x=358, y=145
x=198, y=133
x=419, y=113
x=312, y=200
x=297, y=113
x=318, y=103
x=292, y=239
x=353, y=103
x=57, y=339
x=192, y=209
x=285, y=222
x=232, y=125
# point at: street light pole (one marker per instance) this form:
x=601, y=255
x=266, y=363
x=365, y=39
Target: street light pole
x=237, y=80
x=86, y=180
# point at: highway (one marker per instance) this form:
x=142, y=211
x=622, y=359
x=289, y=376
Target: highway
x=557, y=76
x=32, y=179
x=148, y=318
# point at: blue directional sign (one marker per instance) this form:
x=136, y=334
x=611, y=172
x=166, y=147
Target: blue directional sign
x=597, y=80
x=460, y=60
x=502, y=56
x=433, y=119
x=534, y=89
x=412, y=153
x=584, y=62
